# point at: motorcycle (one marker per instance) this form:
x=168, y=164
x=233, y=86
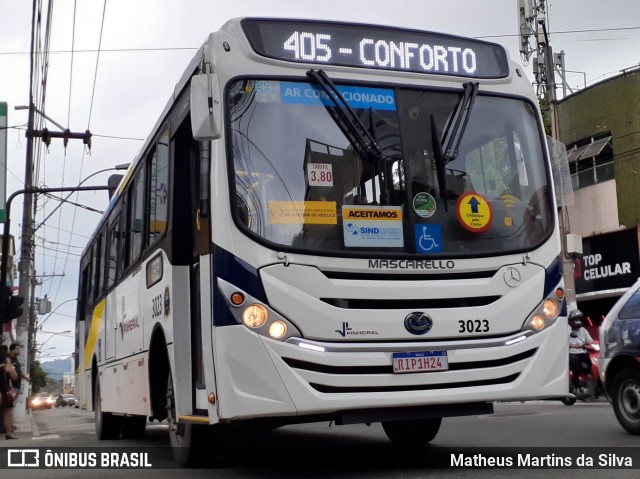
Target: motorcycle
x=589, y=379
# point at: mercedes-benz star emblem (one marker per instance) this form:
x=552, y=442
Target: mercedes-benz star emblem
x=418, y=323
x=512, y=277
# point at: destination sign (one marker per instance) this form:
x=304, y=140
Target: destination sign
x=367, y=46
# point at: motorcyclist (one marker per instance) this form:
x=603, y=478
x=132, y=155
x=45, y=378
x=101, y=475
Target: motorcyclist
x=579, y=360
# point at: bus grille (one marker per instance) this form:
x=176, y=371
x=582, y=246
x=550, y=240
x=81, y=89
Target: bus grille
x=360, y=370
x=386, y=371
x=421, y=387
x=436, y=303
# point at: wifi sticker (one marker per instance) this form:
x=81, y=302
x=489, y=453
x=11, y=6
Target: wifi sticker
x=509, y=202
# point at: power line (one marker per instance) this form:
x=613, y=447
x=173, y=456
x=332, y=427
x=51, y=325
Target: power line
x=112, y=50
x=173, y=49
x=568, y=32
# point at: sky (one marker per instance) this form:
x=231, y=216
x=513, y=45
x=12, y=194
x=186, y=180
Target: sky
x=118, y=92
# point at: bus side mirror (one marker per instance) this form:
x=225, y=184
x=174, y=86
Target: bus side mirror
x=206, y=107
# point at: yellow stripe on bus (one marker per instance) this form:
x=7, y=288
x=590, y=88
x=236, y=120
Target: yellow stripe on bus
x=195, y=419
x=125, y=180
x=93, y=333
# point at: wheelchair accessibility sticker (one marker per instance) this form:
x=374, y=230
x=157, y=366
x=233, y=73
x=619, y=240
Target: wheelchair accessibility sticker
x=428, y=238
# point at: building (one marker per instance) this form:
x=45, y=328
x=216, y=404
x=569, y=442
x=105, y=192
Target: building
x=601, y=127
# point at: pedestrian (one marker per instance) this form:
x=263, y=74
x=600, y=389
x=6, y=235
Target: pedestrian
x=7, y=375
x=14, y=352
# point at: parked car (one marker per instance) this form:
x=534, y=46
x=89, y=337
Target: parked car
x=65, y=400
x=39, y=401
x=620, y=358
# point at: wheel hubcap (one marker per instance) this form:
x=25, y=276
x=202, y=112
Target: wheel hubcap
x=631, y=401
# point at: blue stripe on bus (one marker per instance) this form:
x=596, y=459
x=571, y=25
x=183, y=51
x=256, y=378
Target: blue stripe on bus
x=232, y=269
x=553, y=275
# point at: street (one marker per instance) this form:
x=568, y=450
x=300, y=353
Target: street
x=320, y=450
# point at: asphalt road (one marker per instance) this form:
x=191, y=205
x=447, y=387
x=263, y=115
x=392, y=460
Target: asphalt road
x=540, y=429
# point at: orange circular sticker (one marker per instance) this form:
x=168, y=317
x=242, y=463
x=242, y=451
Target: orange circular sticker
x=474, y=212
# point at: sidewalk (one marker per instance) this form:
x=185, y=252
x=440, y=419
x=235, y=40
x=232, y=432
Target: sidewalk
x=26, y=429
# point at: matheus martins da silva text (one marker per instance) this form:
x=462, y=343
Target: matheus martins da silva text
x=547, y=460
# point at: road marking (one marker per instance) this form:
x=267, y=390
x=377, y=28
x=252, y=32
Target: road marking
x=49, y=436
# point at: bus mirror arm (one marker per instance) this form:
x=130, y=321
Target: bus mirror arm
x=206, y=107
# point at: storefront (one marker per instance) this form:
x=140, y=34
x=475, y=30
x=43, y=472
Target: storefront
x=609, y=265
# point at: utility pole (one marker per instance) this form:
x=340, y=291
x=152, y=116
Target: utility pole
x=533, y=20
x=24, y=263
x=26, y=322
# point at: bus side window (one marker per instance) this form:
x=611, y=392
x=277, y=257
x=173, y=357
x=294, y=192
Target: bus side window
x=113, y=256
x=91, y=278
x=136, y=218
x=159, y=190
x=100, y=266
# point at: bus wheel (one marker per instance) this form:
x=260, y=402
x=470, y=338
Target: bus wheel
x=626, y=399
x=133, y=427
x=188, y=441
x=107, y=425
x=412, y=433
x=567, y=401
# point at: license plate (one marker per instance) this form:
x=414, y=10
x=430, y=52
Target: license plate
x=419, y=362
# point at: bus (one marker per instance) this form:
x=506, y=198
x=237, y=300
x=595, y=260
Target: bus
x=329, y=222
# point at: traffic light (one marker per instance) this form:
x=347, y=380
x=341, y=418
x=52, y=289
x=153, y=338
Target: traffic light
x=6, y=293
x=12, y=305
x=15, y=303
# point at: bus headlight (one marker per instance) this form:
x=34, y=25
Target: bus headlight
x=550, y=309
x=537, y=322
x=277, y=329
x=255, y=315
x=544, y=315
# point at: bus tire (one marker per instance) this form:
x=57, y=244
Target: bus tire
x=133, y=427
x=191, y=443
x=568, y=401
x=625, y=395
x=412, y=433
x=107, y=425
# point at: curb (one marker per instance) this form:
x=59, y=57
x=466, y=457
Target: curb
x=35, y=432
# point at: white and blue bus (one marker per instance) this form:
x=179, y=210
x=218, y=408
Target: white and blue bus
x=329, y=222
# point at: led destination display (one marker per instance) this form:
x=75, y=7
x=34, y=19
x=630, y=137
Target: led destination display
x=368, y=46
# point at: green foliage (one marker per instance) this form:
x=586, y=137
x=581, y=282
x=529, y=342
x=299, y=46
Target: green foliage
x=545, y=107
x=38, y=377
x=54, y=386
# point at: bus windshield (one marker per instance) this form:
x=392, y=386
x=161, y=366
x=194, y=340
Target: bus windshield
x=302, y=184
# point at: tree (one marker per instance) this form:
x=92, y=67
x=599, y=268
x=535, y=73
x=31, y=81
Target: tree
x=38, y=377
x=545, y=108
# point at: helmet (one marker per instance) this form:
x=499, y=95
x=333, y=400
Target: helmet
x=575, y=319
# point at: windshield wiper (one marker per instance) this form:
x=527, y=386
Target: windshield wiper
x=458, y=124
x=447, y=150
x=346, y=119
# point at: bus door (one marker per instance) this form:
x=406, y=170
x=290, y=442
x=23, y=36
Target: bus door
x=191, y=219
